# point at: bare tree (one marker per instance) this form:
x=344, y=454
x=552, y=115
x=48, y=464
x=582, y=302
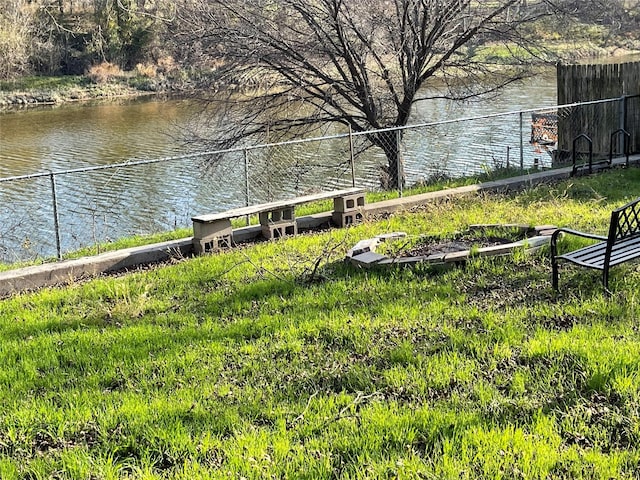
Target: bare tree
x=303, y=64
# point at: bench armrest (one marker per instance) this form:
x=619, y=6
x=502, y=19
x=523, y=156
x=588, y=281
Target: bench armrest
x=557, y=232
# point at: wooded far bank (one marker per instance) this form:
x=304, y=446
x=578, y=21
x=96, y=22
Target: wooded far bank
x=69, y=37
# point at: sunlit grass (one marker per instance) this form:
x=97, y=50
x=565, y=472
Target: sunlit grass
x=38, y=83
x=250, y=363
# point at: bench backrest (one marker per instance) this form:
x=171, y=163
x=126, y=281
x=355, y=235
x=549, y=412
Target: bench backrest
x=625, y=222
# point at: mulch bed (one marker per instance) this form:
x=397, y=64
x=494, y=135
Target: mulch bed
x=433, y=246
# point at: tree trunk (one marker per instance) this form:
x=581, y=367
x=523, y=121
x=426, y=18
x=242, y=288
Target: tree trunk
x=392, y=175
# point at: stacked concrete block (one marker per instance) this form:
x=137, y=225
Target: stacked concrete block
x=347, y=210
x=278, y=223
x=211, y=236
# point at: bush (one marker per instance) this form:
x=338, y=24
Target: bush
x=167, y=64
x=104, y=72
x=146, y=70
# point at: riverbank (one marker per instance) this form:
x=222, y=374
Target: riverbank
x=58, y=273
x=97, y=85
x=40, y=91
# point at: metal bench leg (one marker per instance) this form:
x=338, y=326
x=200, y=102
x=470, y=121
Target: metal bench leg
x=554, y=274
x=554, y=259
x=605, y=281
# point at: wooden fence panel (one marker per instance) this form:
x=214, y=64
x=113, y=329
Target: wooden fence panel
x=584, y=83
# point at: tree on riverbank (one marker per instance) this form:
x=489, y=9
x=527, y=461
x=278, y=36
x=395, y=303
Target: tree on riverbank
x=361, y=64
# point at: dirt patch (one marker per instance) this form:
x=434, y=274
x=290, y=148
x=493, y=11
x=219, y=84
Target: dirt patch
x=457, y=245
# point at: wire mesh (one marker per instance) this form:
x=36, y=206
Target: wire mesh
x=632, y=118
x=104, y=205
x=597, y=121
x=292, y=169
x=465, y=148
x=26, y=219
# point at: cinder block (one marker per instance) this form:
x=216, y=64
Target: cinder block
x=210, y=229
x=278, y=223
x=279, y=230
x=363, y=246
x=344, y=219
x=211, y=236
x=348, y=203
x=545, y=229
x=286, y=214
x=211, y=244
x=367, y=259
x=387, y=237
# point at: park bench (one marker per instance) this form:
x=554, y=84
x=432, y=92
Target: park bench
x=622, y=244
x=277, y=219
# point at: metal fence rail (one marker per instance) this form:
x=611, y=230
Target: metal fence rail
x=47, y=214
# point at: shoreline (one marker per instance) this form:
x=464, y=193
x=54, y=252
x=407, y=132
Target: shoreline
x=81, y=89
x=17, y=100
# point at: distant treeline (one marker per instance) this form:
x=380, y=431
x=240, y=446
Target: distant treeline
x=59, y=37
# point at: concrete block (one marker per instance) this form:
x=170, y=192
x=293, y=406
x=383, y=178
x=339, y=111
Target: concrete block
x=367, y=259
x=545, y=229
x=456, y=256
x=212, y=236
x=210, y=245
x=401, y=261
x=218, y=228
x=537, y=241
x=281, y=229
x=348, y=203
x=435, y=258
x=285, y=214
x=385, y=237
x=495, y=250
x=363, y=246
x=344, y=219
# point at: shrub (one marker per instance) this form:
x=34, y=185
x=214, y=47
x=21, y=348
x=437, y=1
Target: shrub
x=146, y=70
x=167, y=64
x=104, y=72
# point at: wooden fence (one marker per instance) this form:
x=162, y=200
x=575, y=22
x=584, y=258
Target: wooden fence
x=584, y=83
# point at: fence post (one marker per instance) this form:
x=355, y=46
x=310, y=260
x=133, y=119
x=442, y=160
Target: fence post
x=622, y=123
x=56, y=220
x=246, y=181
x=521, y=143
x=399, y=162
x=352, y=158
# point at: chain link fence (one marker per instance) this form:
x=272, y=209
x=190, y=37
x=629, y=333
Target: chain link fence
x=51, y=213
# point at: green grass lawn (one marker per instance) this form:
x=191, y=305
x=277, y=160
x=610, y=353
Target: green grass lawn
x=255, y=364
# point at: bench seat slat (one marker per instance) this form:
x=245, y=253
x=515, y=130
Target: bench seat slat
x=579, y=261
x=628, y=251
x=593, y=255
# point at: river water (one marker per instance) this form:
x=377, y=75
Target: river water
x=95, y=206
